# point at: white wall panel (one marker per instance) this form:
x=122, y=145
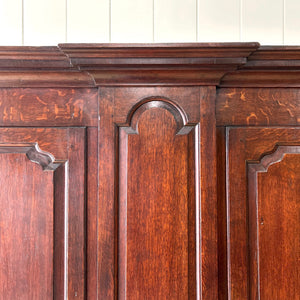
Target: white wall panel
x=175, y=20
x=11, y=22
x=262, y=21
x=88, y=21
x=292, y=22
x=44, y=22
x=219, y=21
x=132, y=21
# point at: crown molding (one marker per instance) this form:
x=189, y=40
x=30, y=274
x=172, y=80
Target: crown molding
x=92, y=65
x=268, y=66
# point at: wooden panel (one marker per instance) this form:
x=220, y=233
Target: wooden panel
x=250, y=145
x=48, y=107
x=218, y=21
x=88, y=23
x=157, y=238
x=132, y=21
x=262, y=21
x=274, y=227
x=292, y=22
x=92, y=203
x=222, y=217
x=156, y=193
x=175, y=21
x=44, y=22
x=254, y=106
x=107, y=209
x=11, y=22
x=26, y=229
x=44, y=213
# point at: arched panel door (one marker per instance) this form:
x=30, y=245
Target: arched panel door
x=157, y=202
x=158, y=196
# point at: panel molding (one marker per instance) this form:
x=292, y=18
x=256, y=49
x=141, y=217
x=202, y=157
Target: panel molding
x=255, y=167
x=193, y=201
x=154, y=102
x=33, y=152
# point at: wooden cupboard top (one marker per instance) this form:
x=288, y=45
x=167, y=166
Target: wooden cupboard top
x=187, y=64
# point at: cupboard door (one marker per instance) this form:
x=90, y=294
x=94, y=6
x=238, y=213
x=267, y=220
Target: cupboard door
x=42, y=204
x=157, y=194
x=263, y=213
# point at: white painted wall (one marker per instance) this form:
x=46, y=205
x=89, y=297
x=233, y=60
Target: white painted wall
x=49, y=22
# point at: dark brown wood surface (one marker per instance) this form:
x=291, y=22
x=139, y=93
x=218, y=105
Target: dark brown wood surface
x=161, y=231
x=156, y=242
x=147, y=198
x=258, y=106
x=26, y=229
x=48, y=107
x=42, y=213
x=275, y=214
x=274, y=227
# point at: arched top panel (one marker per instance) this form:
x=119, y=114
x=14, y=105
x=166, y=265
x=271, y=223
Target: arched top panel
x=157, y=102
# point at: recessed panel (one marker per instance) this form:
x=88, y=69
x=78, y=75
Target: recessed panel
x=26, y=229
x=279, y=229
x=157, y=251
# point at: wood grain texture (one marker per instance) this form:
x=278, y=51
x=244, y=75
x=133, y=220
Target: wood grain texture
x=258, y=106
x=26, y=232
x=158, y=64
x=92, y=180
x=221, y=214
x=139, y=125
x=250, y=144
x=208, y=194
x=153, y=210
x=107, y=207
x=48, y=107
x=53, y=208
x=274, y=207
x=86, y=65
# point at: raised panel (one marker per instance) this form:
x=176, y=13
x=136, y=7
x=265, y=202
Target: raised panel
x=274, y=231
x=42, y=200
x=157, y=204
x=262, y=212
x=157, y=240
x=26, y=229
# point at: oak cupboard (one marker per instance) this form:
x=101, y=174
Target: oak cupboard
x=150, y=171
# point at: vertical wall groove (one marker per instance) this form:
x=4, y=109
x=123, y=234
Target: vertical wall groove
x=22, y=23
x=66, y=27
x=153, y=19
x=197, y=21
x=110, y=21
x=241, y=20
x=283, y=22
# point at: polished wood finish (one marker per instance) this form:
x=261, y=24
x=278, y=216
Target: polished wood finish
x=149, y=171
x=156, y=145
x=258, y=106
x=245, y=211
x=47, y=210
x=274, y=224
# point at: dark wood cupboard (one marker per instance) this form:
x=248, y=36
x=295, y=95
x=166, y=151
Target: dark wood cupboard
x=164, y=171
